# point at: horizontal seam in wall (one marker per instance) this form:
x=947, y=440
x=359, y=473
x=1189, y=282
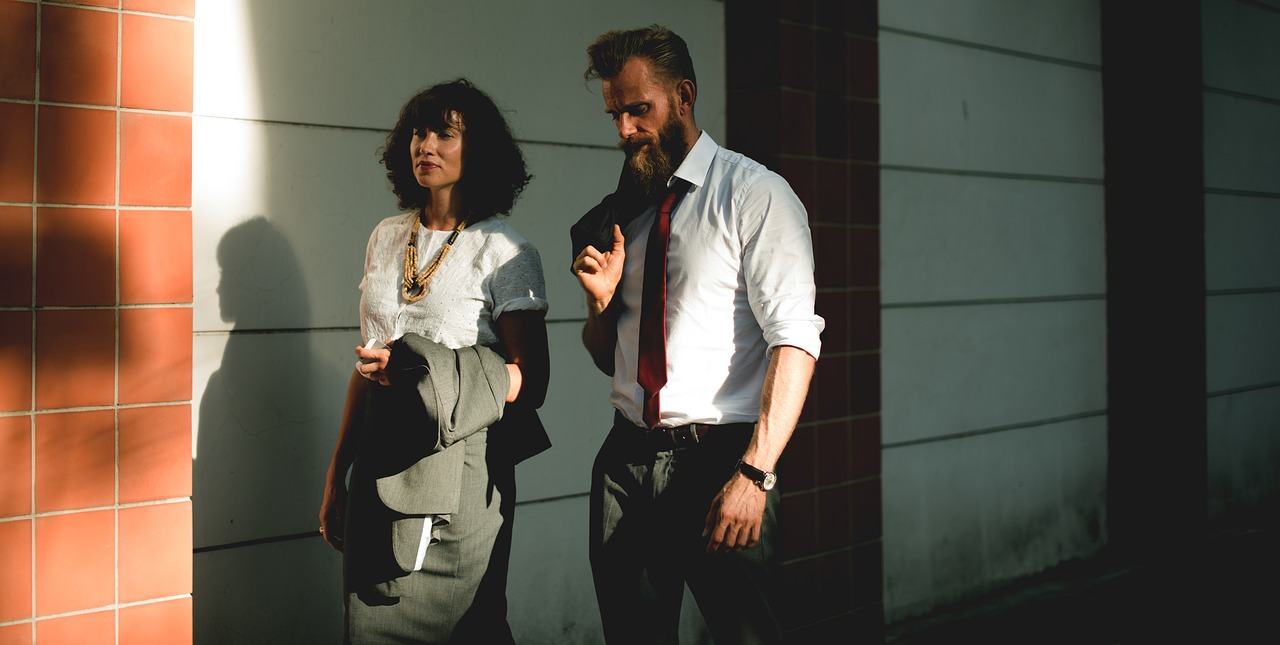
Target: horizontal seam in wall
x=80, y=612
x=1260, y=5
x=1222, y=91
x=257, y=541
x=844, y=484
x=989, y=174
x=993, y=49
x=315, y=534
x=299, y=124
x=1249, y=291
x=1039, y=423
x=268, y=331
x=982, y=302
x=1243, y=389
x=128, y=208
x=385, y=131
x=120, y=307
x=815, y=556
x=568, y=144
x=553, y=498
x=852, y=417
x=94, y=408
x=1232, y=192
x=93, y=509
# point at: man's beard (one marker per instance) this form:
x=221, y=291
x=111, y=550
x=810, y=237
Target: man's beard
x=651, y=160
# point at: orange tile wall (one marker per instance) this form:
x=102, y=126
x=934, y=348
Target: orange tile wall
x=95, y=321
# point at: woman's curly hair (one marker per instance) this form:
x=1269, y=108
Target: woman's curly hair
x=494, y=172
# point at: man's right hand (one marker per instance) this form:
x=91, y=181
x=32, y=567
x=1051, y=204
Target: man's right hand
x=599, y=273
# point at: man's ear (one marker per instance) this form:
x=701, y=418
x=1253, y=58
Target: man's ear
x=688, y=93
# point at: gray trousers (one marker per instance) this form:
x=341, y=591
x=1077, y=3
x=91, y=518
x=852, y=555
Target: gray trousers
x=459, y=596
x=647, y=514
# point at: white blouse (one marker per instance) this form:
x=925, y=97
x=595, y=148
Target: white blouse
x=490, y=269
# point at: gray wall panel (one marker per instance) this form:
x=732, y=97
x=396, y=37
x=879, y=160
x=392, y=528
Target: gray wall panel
x=1065, y=29
x=1242, y=235
x=1238, y=40
x=1244, y=448
x=966, y=514
x=960, y=369
x=946, y=106
x=1243, y=348
x=338, y=63
x=283, y=592
x=1241, y=144
x=947, y=237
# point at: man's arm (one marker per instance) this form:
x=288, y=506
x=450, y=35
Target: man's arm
x=599, y=274
x=738, y=509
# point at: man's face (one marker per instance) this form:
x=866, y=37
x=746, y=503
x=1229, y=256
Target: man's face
x=646, y=113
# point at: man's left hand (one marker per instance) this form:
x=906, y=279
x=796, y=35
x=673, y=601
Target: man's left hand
x=735, y=517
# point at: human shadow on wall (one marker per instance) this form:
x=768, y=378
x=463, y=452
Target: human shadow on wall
x=256, y=435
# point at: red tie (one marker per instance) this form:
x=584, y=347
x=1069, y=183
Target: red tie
x=652, y=369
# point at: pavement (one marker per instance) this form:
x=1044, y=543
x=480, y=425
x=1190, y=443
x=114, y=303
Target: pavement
x=1223, y=588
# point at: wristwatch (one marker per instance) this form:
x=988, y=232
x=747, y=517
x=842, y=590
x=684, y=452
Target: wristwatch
x=764, y=480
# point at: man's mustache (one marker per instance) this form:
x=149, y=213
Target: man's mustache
x=635, y=142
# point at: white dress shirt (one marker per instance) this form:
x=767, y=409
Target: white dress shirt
x=739, y=283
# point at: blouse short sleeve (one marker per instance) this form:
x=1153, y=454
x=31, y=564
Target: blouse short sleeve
x=517, y=282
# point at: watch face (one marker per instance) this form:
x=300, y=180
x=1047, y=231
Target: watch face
x=770, y=480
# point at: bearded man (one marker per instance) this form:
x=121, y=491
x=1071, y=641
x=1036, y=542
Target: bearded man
x=700, y=306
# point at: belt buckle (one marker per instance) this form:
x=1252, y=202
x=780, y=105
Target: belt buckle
x=685, y=434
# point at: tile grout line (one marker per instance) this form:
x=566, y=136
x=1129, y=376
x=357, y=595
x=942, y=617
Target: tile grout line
x=115, y=415
x=35, y=176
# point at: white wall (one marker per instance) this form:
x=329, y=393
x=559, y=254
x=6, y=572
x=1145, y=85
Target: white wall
x=993, y=291
x=292, y=100
x=1242, y=266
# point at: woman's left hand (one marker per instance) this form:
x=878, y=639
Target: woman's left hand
x=373, y=364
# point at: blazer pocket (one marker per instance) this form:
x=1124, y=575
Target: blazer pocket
x=431, y=486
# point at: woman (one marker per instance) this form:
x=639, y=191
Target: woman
x=427, y=561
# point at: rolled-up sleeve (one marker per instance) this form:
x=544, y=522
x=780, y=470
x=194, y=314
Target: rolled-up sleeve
x=778, y=263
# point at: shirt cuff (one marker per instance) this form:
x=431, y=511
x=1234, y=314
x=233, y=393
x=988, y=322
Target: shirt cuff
x=530, y=303
x=805, y=334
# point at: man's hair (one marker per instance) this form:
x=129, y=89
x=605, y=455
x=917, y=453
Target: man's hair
x=666, y=52
x=493, y=173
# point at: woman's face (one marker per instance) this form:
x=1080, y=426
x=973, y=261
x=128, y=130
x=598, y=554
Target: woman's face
x=437, y=155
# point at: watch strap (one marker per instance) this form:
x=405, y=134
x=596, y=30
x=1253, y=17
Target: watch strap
x=751, y=472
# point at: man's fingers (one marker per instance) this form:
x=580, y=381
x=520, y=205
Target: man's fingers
x=717, y=537
x=619, y=242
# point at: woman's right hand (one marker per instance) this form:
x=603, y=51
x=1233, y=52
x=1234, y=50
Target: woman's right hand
x=372, y=363
x=333, y=511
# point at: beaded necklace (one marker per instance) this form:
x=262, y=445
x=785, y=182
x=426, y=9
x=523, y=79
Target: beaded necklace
x=415, y=283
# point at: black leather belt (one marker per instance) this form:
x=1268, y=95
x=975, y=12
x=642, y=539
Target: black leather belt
x=664, y=439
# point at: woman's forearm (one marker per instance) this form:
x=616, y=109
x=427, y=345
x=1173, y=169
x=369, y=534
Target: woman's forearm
x=524, y=336
x=352, y=414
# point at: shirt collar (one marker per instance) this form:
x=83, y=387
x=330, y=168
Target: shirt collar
x=697, y=163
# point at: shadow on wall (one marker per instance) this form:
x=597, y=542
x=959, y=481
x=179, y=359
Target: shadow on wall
x=256, y=422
